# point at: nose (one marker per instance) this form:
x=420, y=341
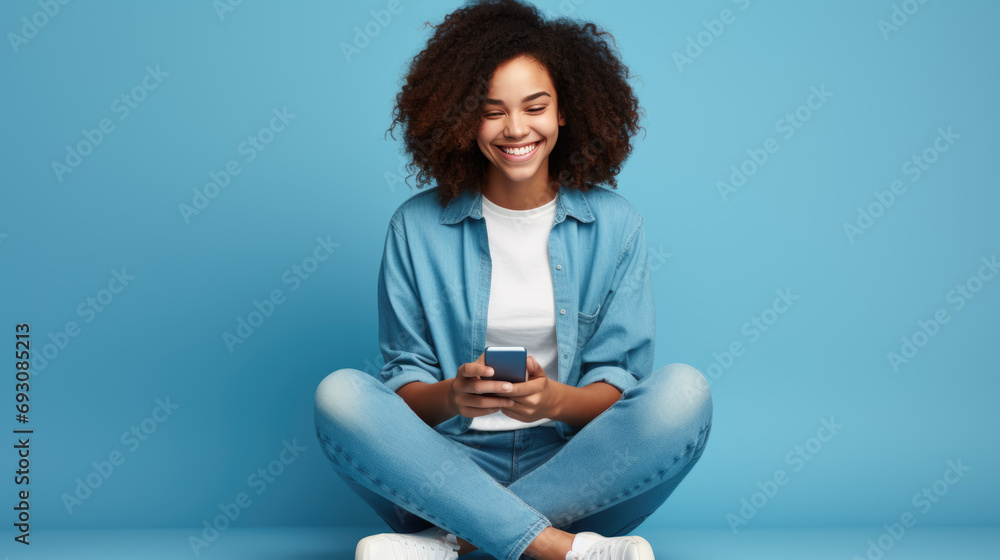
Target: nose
x=515, y=127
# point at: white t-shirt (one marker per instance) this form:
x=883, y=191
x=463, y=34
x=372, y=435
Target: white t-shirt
x=522, y=304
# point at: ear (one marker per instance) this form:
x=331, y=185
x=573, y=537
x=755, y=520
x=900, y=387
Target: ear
x=562, y=119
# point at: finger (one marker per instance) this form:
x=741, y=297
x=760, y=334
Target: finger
x=492, y=402
x=521, y=389
x=481, y=367
x=525, y=389
x=475, y=369
x=531, y=364
x=492, y=387
x=534, y=368
x=511, y=412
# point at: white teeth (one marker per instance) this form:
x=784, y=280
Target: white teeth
x=520, y=151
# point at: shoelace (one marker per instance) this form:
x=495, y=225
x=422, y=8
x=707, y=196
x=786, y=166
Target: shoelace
x=610, y=549
x=414, y=549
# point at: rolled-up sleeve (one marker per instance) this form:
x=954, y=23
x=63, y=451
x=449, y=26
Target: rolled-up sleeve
x=620, y=352
x=404, y=338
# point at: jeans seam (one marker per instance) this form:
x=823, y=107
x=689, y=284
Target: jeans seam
x=513, y=455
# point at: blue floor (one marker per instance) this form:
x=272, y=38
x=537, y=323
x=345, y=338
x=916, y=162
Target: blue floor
x=918, y=543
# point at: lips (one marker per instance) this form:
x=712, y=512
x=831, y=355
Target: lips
x=521, y=149
x=521, y=145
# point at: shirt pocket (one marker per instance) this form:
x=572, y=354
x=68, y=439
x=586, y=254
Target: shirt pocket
x=585, y=327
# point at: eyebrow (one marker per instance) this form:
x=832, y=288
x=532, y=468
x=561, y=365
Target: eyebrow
x=525, y=100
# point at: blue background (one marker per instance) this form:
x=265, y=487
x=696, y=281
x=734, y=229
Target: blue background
x=331, y=173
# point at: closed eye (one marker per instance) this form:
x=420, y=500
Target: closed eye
x=529, y=110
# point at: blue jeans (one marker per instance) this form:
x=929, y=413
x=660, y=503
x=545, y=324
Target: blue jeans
x=499, y=490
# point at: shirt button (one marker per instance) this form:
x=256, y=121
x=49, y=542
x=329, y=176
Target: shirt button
x=565, y=356
x=558, y=267
x=562, y=311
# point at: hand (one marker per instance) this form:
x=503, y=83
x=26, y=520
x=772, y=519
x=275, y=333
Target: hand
x=538, y=397
x=473, y=394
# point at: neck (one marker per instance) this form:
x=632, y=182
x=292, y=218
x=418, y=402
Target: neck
x=519, y=195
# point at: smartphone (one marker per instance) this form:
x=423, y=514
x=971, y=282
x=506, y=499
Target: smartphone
x=509, y=363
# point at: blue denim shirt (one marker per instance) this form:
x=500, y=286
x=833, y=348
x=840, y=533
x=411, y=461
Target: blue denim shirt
x=434, y=291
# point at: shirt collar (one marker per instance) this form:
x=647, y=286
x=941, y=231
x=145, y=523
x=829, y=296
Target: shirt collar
x=468, y=204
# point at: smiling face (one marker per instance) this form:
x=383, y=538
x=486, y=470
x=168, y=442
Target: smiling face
x=520, y=125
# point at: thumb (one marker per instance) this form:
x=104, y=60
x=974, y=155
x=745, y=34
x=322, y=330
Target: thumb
x=534, y=368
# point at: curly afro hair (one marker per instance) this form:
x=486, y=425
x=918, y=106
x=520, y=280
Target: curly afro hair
x=440, y=105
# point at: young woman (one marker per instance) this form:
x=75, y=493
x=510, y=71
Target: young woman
x=518, y=120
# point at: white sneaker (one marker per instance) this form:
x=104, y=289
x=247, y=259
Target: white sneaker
x=592, y=546
x=430, y=544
